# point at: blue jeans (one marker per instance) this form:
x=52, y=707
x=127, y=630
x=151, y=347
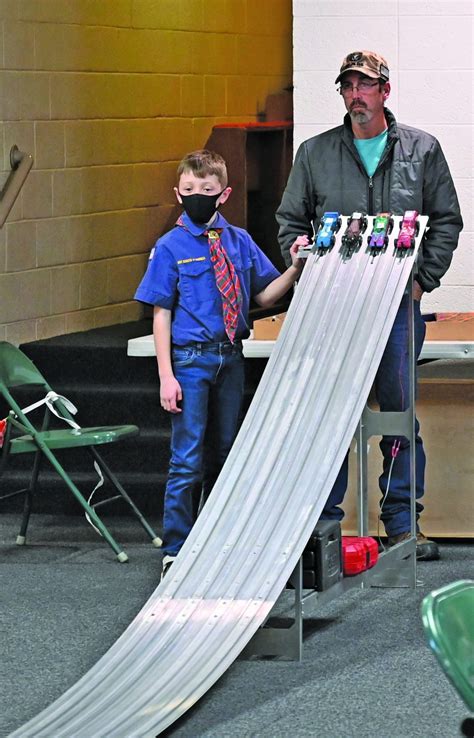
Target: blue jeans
x=391, y=390
x=211, y=376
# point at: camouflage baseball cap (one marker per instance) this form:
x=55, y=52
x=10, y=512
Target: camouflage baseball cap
x=365, y=62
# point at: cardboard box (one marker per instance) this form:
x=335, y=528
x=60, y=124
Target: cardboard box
x=451, y=327
x=267, y=329
x=446, y=327
x=445, y=409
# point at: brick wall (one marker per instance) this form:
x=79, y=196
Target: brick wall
x=429, y=47
x=108, y=95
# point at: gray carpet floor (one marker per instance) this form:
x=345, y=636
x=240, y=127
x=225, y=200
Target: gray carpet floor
x=366, y=671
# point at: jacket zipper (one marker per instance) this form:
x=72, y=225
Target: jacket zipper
x=370, y=179
x=356, y=157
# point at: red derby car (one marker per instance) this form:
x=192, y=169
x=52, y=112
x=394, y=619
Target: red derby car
x=408, y=230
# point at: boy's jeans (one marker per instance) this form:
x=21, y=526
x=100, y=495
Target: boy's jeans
x=211, y=376
x=391, y=390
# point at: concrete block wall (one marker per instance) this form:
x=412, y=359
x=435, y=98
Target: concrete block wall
x=108, y=95
x=429, y=47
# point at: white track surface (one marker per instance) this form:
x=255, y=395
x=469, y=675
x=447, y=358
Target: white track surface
x=263, y=508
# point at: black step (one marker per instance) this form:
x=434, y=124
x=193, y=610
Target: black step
x=93, y=371
x=53, y=496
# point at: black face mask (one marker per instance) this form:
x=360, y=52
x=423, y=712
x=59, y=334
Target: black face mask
x=200, y=208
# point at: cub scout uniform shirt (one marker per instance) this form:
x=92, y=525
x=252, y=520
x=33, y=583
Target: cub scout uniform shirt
x=180, y=277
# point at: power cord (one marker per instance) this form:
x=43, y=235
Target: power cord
x=395, y=450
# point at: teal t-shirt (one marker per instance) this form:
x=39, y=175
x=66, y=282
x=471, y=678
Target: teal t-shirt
x=370, y=150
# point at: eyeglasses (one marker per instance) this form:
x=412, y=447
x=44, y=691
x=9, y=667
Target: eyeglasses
x=364, y=86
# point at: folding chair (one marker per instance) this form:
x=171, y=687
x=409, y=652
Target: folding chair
x=448, y=620
x=21, y=436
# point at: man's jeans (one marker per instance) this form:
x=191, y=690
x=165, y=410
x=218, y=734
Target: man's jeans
x=392, y=393
x=211, y=376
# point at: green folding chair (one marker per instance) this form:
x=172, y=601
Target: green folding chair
x=21, y=436
x=448, y=620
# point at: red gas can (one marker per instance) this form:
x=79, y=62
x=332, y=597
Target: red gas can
x=358, y=554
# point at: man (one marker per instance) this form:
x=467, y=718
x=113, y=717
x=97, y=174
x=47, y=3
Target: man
x=373, y=164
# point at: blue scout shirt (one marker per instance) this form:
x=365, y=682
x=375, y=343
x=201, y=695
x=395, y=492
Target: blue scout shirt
x=180, y=277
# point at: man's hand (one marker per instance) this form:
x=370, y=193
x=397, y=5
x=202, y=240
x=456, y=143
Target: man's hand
x=417, y=291
x=170, y=394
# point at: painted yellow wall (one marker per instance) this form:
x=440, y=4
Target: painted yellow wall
x=108, y=95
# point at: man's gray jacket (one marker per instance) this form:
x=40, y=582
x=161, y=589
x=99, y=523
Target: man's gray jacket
x=328, y=175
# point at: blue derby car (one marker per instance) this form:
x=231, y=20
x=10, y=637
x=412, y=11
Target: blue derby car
x=329, y=226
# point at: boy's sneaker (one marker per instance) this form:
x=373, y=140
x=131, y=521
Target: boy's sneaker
x=167, y=561
x=426, y=550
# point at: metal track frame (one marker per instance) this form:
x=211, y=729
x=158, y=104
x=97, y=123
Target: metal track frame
x=286, y=641
x=262, y=510
x=396, y=567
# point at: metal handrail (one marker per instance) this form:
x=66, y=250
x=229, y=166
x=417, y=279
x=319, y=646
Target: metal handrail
x=20, y=163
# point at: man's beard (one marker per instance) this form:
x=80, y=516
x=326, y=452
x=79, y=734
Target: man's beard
x=359, y=116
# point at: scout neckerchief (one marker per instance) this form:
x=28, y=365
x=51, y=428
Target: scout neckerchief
x=227, y=279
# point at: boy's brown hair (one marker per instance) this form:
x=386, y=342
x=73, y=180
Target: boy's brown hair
x=203, y=163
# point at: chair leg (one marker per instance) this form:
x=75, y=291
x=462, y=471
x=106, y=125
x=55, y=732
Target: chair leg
x=155, y=539
x=5, y=455
x=121, y=555
x=21, y=537
x=29, y=492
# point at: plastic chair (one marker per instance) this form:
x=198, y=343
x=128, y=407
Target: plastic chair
x=22, y=437
x=448, y=620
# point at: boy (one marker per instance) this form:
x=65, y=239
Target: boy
x=200, y=278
